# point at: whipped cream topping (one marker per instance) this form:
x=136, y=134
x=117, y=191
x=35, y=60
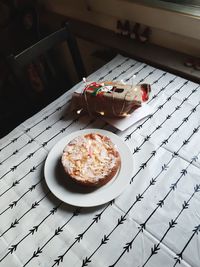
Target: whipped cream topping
x=89, y=157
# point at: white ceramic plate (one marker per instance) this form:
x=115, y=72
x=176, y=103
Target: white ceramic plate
x=77, y=195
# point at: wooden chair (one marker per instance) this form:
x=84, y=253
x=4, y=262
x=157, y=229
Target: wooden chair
x=40, y=78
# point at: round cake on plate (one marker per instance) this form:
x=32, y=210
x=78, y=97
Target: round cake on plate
x=91, y=159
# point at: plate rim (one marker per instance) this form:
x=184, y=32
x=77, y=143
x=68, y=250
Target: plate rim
x=120, y=144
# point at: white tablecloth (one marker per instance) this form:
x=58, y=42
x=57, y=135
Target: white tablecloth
x=155, y=222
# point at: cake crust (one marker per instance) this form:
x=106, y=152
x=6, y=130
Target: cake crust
x=91, y=159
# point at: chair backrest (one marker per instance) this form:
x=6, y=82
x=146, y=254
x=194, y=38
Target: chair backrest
x=37, y=73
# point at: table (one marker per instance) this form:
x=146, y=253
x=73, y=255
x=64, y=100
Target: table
x=154, y=222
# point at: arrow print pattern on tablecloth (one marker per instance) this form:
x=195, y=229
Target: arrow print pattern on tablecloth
x=43, y=145
x=143, y=165
x=34, y=125
x=172, y=224
x=160, y=204
x=17, y=182
x=179, y=256
x=153, y=182
x=15, y=202
x=33, y=206
x=158, y=108
x=33, y=230
x=57, y=232
x=140, y=196
x=80, y=236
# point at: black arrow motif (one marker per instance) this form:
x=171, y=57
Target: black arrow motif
x=13, y=248
x=34, y=229
x=104, y=240
x=168, y=117
x=15, y=152
x=185, y=99
x=160, y=203
x=15, y=183
x=14, y=140
x=195, y=130
x=30, y=155
x=143, y=165
x=59, y=108
x=172, y=223
x=13, y=168
x=153, y=153
x=121, y=220
x=139, y=197
x=150, y=116
x=128, y=246
x=97, y=217
x=175, y=154
x=139, y=126
x=194, y=90
x=177, y=107
x=27, y=130
x=33, y=169
x=47, y=128
x=197, y=188
x=35, y=204
x=77, y=212
x=185, y=119
x=176, y=129
x=128, y=137
x=165, y=167
x=14, y=203
x=185, y=205
x=158, y=127
x=184, y=172
x=46, y=117
x=154, y=249
x=164, y=142
x=160, y=107
x=185, y=142
x=154, y=96
x=193, y=110
x=137, y=149
x=142, y=226
x=30, y=141
x=53, y=210
x=79, y=237
x=196, y=229
x=59, y=260
x=169, y=98
x=44, y=144
x=58, y=231
x=37, y=252
x=147, y=138
x=173, y=186
x=178, y=257
x=195, y=158
x=13, y=224
x=152, y=181
x=85, y=262
x=32, y=187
